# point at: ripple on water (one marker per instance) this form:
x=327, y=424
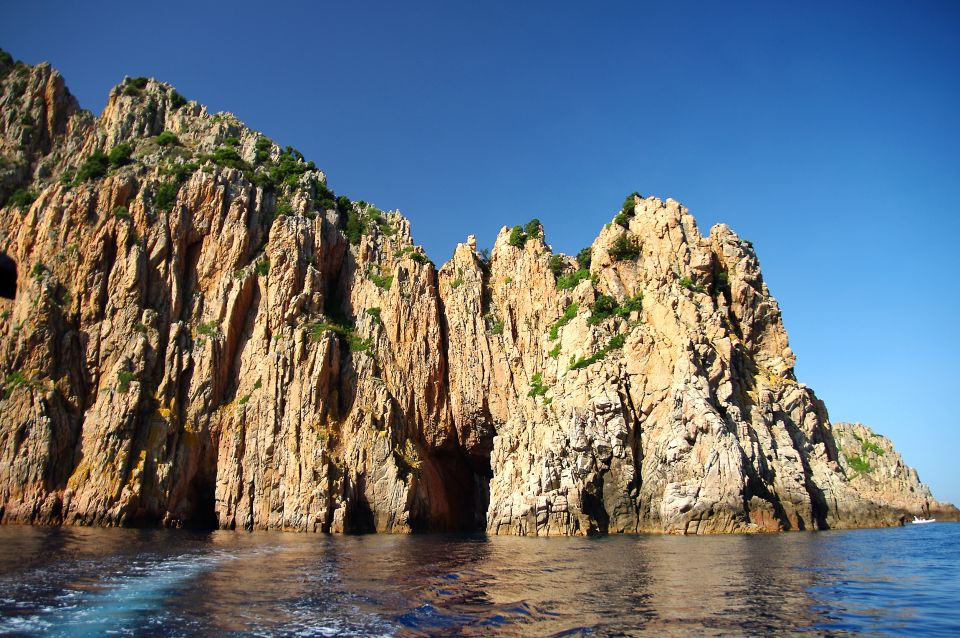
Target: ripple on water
x=75, y=582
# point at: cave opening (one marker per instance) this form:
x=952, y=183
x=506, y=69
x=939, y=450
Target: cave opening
x=453, y=492
x=202, y=512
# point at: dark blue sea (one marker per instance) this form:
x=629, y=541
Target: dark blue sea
x=93, y=582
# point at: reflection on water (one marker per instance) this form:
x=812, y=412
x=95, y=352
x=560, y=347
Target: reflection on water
x=78, y=582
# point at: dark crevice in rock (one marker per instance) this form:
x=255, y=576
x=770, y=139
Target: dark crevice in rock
x=453, y=493
x=202, y=512
x=359, y=515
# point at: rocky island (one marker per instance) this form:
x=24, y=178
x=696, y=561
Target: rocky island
x=204, y=334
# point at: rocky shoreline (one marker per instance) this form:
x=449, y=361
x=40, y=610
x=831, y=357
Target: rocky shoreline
x=204, y=334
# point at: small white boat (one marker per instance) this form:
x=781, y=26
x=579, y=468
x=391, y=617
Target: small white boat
x=917, y=520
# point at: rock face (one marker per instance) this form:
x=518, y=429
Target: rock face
x=881, y=477
x=203, y=334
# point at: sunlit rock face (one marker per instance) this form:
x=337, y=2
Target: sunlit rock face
x=204, y=334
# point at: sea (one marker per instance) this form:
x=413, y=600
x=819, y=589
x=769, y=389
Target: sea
x=140, y=582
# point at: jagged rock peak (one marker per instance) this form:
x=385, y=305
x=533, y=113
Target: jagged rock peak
x=205, y=334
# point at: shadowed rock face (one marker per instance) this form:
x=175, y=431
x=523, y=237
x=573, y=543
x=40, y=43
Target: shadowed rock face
x=203, y=336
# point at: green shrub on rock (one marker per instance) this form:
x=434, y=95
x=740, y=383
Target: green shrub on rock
x=164, y=195
x=624, y=249
x=21, y=198
x=167, y=138
x=584, y=257
x=93, y=167
x=533, y=228
x=570, y=280
x=120, y=154
x=517, y=237
x=556, y=265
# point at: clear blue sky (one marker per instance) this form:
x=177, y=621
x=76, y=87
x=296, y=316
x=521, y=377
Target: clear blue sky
x=828, y=135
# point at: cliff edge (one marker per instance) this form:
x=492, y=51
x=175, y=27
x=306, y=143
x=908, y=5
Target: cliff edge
x=204, y=334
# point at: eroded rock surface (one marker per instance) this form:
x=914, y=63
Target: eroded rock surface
x=203, y=334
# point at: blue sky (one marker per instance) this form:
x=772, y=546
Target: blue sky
x=827, y=135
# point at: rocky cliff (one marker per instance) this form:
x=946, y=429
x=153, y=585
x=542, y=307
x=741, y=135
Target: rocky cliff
x=204, y=334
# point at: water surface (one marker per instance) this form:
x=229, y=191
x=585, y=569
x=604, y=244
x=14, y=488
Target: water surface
x=86, y=582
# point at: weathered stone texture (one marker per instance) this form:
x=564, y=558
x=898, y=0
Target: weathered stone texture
x=197, y=341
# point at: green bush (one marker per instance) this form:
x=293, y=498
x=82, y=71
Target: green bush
x=124, y=377
x=375, y=313
x=557, y=265
x=533, y=228
x=320, y=328
x=164, y=195
x=344, y=205
x=517, y=237
x=859, y=464
x=568, y=315
x=231, y=141
x=616, y=342
x=583, y=362
x=631, y=304
x=167, y=138
x=38, y=270
x=356, y=226
x=381, y=281
x=606, y=306
x=622, y=219
x=602, y=308
x=354, y=342
x=134, y=86
x=228, y=156
x=870, y=446
x=537, y=388
x=494, y=324
x=418, y=257
x=283, y=207
x=177, y=101
x=27, y=120
x=181, y=171
x=584, y=257
x=568, y=281
x=209, y=329
x=262, y=267
x=14, y=380
x=289, y=167
x=555, y=351
x=688, y=283
x=121, y=212
x=629, y=204
x=21, y=198
x=624, y=249
x=93, y=167
x=262, y=147
x=322, y=191
x=120, y=154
